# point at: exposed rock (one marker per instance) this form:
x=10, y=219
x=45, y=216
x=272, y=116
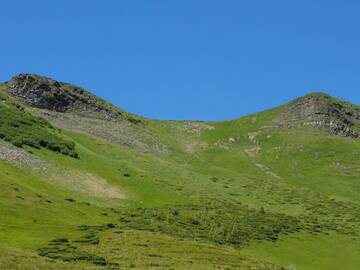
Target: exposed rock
x=252, y=136
x=71, y=107
x=252, y=151
x=322, y=111
x=196, y=128
x=18, y=157
x=267, y=170
x=45, y=93
x=340, y=129
x=124, y=133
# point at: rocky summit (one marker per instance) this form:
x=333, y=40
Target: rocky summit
x=45, y=93
x=323, y=111
x=87, y=185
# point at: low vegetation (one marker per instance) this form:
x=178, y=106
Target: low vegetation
x=258, y=192
x=21, y=128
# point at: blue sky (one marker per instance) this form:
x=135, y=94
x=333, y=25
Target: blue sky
x=208, y=60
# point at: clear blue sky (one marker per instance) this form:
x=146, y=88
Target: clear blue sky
x=209, y=60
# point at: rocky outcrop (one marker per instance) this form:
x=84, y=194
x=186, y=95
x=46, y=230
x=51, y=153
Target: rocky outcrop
x=322, y=111
x=45, y=93
x=17, y=157
x=70, y=107
x=340, y=129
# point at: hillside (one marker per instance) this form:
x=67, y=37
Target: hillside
x=86, y=185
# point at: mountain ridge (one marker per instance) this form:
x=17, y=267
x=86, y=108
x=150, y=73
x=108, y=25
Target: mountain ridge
x=317, y=109
x=272, y=190
x=18, y=84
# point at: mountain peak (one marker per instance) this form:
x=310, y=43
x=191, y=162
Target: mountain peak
x=45, y=93
x=319, y=109
x=317, y=94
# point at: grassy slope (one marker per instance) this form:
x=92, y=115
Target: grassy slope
x=305, y=251
x=32, y=230
x=316, y=167
x=21, y=128
x=213, y=207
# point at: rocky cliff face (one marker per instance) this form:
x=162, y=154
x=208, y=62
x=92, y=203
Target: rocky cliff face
x=45, y=93
x=323, y=111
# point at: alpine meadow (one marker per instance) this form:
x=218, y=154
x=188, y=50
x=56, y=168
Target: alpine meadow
x=87, y=185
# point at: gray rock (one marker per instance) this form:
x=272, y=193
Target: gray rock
x=45, y=93
x=322, y=111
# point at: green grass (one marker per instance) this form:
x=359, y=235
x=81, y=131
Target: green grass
x=21, y=128
x=334, y=251
x=240, y=194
